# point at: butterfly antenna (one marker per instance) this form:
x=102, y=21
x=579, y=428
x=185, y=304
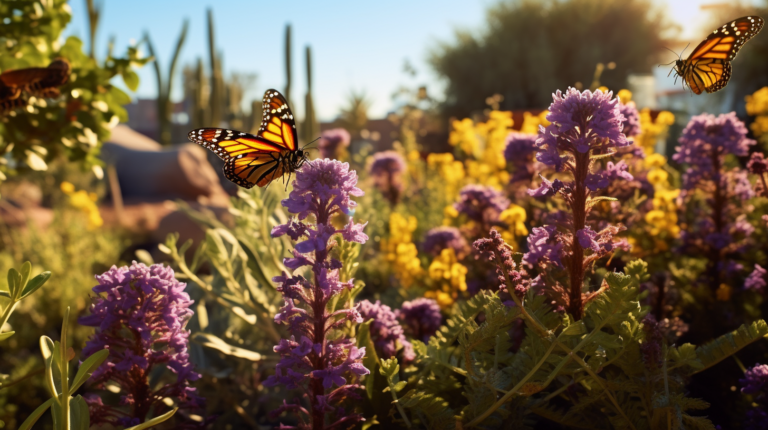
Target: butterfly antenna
x=302, y=148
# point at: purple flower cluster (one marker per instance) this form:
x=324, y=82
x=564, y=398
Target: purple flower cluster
x=327, y=370
x=755, y=383
x=421, y=317
x=519, y=153
x=580, y=123
x=440, y=238
x=705, y=141
x=140, y=318
x=722, y=226
x=583, y=125
x=652, y=344
x=481, y=203
x=494, y=249
x=386, y=170
x=758, y=165
x=756, y=280
x=386, y=332
x=331, y=141
x=631, y=123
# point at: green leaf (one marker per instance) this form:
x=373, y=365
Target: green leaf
x=364, y=341
x=47, y=348
x=14, y=281
x=211, y=341
x=88, y=367
x=35, y=283
x=26, y=268
x=154, y=421
x=131, y=79
x=145, y=257
x=80, y=417
x=35, y=415
x=5, y=294
x=6, y=335
x=729, y=344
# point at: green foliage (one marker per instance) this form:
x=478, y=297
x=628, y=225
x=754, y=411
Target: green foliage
x=20, y=286
x=76, y=123
x=529, y=48
x=68, y=412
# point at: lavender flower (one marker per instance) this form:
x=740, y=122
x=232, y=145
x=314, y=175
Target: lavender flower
x=755, y=383
x=631, y=123
x=758, y=165
x=481, y=204
x=440, y=238
x=387, y=169
x=386, y=332
x=331, y=141
x=494, y=249
x=583, y=125
x=140, y=319
x=756, y=280
x=326, y=370
x=519, y=153
x=704, y=144
x=421, y=317
x=651, y=346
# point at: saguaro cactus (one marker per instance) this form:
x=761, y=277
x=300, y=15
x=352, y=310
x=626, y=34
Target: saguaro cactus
x=287, y=92
x=310, y=127
x=164, y=87
x=217, y=80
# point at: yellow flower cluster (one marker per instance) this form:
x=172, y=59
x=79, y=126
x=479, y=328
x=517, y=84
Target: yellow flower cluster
x=84, y=202
x=400, y=250
x=449, y=278
x=532, y=122
x=652, y=131
x=484, y=142
x=757, y=106
x=514, y=216
x=451, y=171
x=663, y=217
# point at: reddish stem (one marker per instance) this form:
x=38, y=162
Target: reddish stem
x=318, y=310
x=578, y=205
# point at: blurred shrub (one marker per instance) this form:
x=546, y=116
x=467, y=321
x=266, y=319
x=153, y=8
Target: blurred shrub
x=529, y=47
x=75, y=124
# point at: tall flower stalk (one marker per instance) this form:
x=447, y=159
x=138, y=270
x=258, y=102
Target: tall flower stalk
x=315, y=359
x=720, y=223
x=585, y=128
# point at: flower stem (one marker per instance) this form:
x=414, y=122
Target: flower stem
x=579, y=211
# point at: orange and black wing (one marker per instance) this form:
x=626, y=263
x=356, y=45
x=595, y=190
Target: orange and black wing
x=229, y=144
x=254, y=169
x=278, y=124
x=708, y=67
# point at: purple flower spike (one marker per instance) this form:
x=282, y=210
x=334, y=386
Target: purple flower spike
x=140, y=318
x=386, y=170
x=480, y=203
x=440, y=238
x=421, y=317
x=756, y=280
x=386, y=332
x=327, y=370
x=331, y=141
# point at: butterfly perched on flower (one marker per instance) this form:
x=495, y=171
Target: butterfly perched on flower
x=708, y=68
x=32, y=81
x=260, y=159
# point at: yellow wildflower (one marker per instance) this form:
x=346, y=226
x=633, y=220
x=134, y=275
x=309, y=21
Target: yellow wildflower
x=625, y=96
x=757, y=103
x=400, y=250
x=652, y=131
x=658, y=176
x=449, y=277
x=84, y=202
x=514, y=217
x=655, y=160
x=724, y=293
x=760, y=126
x=464, y=136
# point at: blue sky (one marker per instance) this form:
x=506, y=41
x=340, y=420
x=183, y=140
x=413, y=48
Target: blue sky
x=356, y=45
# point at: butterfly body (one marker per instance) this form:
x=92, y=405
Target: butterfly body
x=34, y=81
x=708, y=68
x=257, y=159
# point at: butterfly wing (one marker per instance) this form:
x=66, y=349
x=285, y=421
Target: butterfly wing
x=708, y=68
x=229, y=144
x=278, y=124
x=254, y=169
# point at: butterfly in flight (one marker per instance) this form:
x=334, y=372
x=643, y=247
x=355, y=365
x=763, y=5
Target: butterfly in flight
x=708, y=68
x=33, y=81
x=257, y=160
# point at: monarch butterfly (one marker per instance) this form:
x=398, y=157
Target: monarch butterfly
x=36, y=81
x=260, y=159
x=708, y=68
